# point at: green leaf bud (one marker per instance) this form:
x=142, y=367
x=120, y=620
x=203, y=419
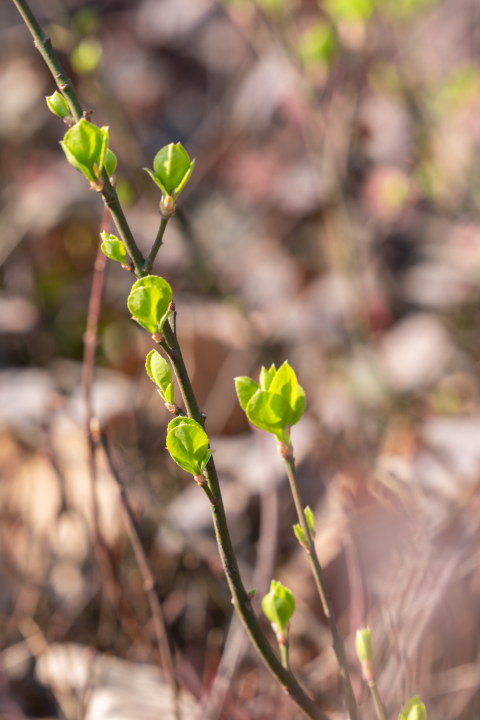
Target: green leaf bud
x=172, y=168
x=413, y=710
x=58, y=105
x=274, y=405
x=149, y=300
x=160, y=372
x=278, y=605
x=310, y=520
x=300, y=535
x=364, y=645
x=85, y=146
x=187, y=443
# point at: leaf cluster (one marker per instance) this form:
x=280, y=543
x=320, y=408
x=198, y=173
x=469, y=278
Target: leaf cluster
x=86, y=148
x=276, y=403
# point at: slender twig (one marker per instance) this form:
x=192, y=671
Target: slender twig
x=376, y=700
x=148, y=579
x=156, y=245
x=322, y=590
x=44, y=46
x=284, y=655
x=240, y=597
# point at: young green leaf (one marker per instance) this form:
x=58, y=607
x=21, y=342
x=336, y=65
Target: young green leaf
x=113, y=248
x=285, y=383
x=172, y=168
x=58, y=105
x=278, y=605
x=169, y=394
x=266, y=377
x=187, y=443
x=149, y=300
x=269, y=411
x=310, y=520
x=246, y=389
x=110, y=162
x=300, y=535
x=318, y=44
x=413, y=710
x=159, y=371
x=85, y=146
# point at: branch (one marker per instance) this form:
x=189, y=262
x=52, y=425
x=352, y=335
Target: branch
x=240, y=597
x=43, y=44
x=322, y=591
x=148, y=579
x=156, y=246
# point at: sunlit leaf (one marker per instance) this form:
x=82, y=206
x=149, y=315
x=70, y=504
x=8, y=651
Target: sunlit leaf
x=279, y=604
x=149, y=300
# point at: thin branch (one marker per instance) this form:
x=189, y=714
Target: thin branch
x=240, y=597
x=322, y=591
x=156, y=246
x=376, y=700
x=43, y=44
x=148, y=579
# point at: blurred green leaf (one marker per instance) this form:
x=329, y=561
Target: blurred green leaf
x=309, y=517
x=149, y=300
x=269, y=411
x=350, y=10
x=266, y=377
x=364, y=645
x=110, y=162
x=285, y=384
x=86, y=57
x=413, y=710
x=317, y=44
x=300, y=535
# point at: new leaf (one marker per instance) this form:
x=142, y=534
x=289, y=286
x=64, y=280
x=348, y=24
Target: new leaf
x=149, y=300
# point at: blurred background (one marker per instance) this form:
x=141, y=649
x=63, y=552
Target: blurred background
x=332, y=220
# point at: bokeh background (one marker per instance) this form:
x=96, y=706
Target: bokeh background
x=332, y=220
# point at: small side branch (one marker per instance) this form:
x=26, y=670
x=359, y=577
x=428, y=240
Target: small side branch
x=322, y=589
x=148, y=579
x=156, y=246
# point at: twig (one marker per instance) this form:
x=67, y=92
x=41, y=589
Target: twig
x=148, y=579
x=156, y=246
x=322, y=590
x=240, y=597
x=376, y=700
x=44, y=46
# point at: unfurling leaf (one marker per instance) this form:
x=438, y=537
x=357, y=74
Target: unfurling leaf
x=172, y=168
x=310, y=520
x=110, y=162
x=58, y=105
x=413, y=710
x=278, y=605
x=274, y=405
x=364, y=645
x=159, y=371
x=300, y=535
x=113, y=248
x=187, y=443
x=85, y=146
x=149, y=300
